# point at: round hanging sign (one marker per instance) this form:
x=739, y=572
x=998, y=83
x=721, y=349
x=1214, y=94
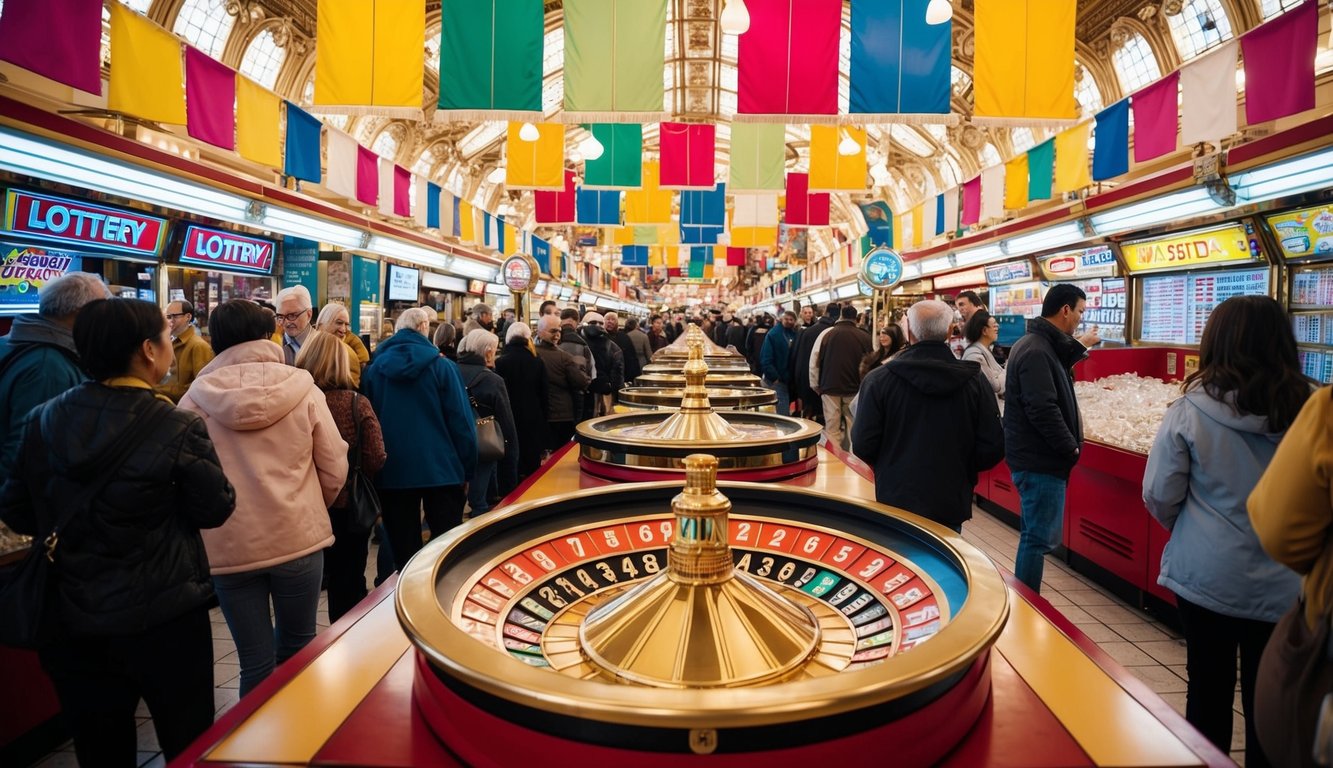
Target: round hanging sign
x=520, y=272
x=882, y=268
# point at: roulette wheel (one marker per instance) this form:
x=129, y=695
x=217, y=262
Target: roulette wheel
x=748, y=445
x=733, y=623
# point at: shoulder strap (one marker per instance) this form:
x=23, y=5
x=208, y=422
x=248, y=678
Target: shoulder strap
x=476, y=407
x=125, y=445
x=356, y=419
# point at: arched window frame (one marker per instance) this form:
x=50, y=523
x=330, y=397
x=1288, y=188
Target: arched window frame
x=1135, y=63
x=1187, y=31
x=205, y=24
x=263, y=59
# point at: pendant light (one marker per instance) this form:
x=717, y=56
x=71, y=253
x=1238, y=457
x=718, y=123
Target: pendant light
x=591, y=147
x=497, y=175
x=938, y=12
x=848, y=146
x=529, y=132
x=735, y=17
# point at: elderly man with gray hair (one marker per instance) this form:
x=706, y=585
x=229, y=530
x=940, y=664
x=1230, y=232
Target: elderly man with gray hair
x=926, y=390
x=38, y=360
x=429, y=432
x=294, y=316
x=566, y=380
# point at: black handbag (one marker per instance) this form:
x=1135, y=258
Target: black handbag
x=1295, y=678
x=363, y=503
x=490, y=440
x=27, y=596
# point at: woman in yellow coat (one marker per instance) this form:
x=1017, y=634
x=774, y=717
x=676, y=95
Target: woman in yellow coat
x=334, y=319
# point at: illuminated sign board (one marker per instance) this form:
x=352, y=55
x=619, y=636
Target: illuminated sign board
x=64, y=220
x=219, y=249
x=1188, y=250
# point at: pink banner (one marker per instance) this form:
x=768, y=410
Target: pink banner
x=687, y=156
x=972, y=202
x=210, y=100
x=803, y=208
x=1279, y=64
x=736, y=257
x=58, y=39
x=1156, y=114
x=402, y=191
x=367, y=176
x=787, y=63
x=556, y=207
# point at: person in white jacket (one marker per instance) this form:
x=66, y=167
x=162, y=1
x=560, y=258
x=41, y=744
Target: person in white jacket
x=981, y=331
x=280, y=447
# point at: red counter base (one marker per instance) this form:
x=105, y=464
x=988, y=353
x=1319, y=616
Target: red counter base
x=622, y=474
x=473, y=733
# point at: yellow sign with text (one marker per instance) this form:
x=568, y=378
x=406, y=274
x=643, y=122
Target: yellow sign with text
x=1189, y=250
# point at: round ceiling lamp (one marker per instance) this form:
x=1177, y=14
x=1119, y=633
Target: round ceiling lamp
x=938, y=12
x=591, y=147
x=848, y=146
x=735, y=18
x=497, y=175
x=529, y=132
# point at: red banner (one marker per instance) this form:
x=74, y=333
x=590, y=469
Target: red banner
x=787, y=63
x=64, y=220
x=687, y=156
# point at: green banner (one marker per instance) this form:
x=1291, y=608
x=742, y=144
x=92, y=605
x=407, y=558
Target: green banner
x=614, y=55
x=621, y=163
x=758, y=157
x=490, y=60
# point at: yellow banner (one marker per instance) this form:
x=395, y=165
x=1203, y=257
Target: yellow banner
x=1072, y=171
x=620, y=235
x=258, y=123
x=1305, y=232
x=467, y=228
x=1188, y=250
x=918, y=217
x=538, y=164
x=147, y=75
x=1024, y=65
x=1016, y=183
x=649, y=204
x=754, y=237
x=831, y=171
x=370, y=57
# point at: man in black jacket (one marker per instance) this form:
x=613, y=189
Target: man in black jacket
x=924, y=390
x=608, y=361
x=835, y=373
x=811, y=407
x=620, y=336
x=1042, y=429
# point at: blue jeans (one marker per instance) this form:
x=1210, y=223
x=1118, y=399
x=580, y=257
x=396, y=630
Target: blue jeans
x=479, y=489
x=262, y=643
x=1042, y=500
x=784, y=395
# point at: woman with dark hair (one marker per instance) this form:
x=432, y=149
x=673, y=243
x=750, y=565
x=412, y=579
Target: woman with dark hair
x=331, y=366
x=1213, y=445
x=981, y=330
x=891, y=342
x=280, y=446
x=130, y=573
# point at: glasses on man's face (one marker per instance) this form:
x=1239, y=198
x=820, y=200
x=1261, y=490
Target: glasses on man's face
x=174, y=315
x=291, y=318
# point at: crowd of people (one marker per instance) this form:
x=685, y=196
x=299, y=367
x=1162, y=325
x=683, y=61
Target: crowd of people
x=220, y=466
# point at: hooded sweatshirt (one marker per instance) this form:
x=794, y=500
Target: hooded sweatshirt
x=280, y=448
x=44, y=364
x=1206, y=460
x=430, y=432
x=925, y=390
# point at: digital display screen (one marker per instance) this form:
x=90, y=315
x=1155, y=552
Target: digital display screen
x=1174, y=308
x=403, y=283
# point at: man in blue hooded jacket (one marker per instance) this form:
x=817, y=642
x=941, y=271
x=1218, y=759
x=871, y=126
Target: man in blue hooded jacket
x=429, y=431
x=775, y=359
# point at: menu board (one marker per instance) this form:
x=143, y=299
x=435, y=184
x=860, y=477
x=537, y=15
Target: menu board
x=1313, y=328
x=1312, y=287
x=1317, y=364
x=1018, y=299
x=1176, y=307
x=1105, y=308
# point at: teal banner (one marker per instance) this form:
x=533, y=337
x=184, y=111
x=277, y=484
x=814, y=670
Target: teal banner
x=300, y=264
x=365, y=287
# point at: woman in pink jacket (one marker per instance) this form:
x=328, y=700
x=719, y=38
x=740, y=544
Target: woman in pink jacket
x=280, y=448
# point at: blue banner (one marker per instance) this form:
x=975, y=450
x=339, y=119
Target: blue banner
x=634, y=256
x=541, y=251
x=600, y=207
x=1110, y=154
x=432, y=205
x=900, y=64
x=302, y=154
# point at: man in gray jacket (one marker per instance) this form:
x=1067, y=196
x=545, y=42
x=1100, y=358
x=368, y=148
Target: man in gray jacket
x=565, y=380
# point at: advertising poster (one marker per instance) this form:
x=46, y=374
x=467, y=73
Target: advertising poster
x=1304, y=233
x=300, y=263
x=879, y=219
x=25, y=268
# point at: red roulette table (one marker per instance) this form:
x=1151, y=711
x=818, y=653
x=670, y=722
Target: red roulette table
x=362, y=693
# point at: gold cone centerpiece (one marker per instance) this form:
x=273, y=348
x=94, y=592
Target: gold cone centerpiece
x=681, y=346
x=696, y=419
x=701, y=623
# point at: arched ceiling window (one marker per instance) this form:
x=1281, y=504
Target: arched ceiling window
x=950, y=172
x=990, y=156
x=205, y=24
x=1086, y=92
x=386, y=146
x=1200, y=25
x=1022, y=139
x=424, y=164
x=1271, y=8
x=263, y=59
x=433, y=49
x=1135, y=64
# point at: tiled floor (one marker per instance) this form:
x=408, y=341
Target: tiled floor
x=1147, y=648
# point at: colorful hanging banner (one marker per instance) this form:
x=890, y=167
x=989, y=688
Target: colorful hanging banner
x=541, y=253
x=735, y=256
x=301, y=160
x=755, y=210
x=1207, y=97
x=620, y=166
x=942, y=214
x=1110, y=153
x=58, y=39
x=1279, y=64
x=451, y=219
x=787, y=63
x=536, y=164
x=385, y=185
x=803, y=208
x=758, y=157
x=342, y=150
x=426, y=212
x=598, y=207
x=467, y=221
x=930, y=213
x=258, y=121
x=650, y=204
x=1023, y=72
x=402, y=192
x=918, y=225
x=971, y=202
x=703, y=214
x=367, y=176
x=210, y=99
x=1016, y=183
x=687, y=155
x=1041, y=170
x=634, y=256
x=992, y=193
x=147, y=79
x=754, y=237
x=556, y=207
x=1156, y=109
x=1071, y=159
x=490, y=60
x=830, y=170
x=900, y=65
x=614, y=55
x=370, y=57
